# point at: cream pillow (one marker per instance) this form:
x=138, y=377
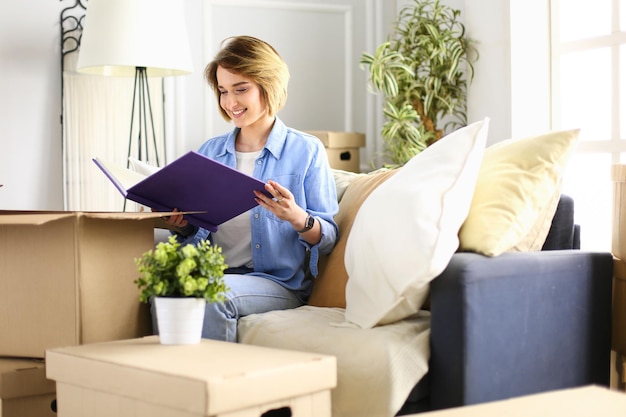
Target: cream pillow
x=517, y=193
x=329, y=287
x=343, y=179
x=406, y=231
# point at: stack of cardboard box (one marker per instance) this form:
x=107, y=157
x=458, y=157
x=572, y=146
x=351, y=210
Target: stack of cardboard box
x=618, y=248
x=24, y=389
x=66, y=278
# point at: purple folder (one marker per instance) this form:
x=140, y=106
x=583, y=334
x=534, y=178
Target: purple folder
x=195, y=182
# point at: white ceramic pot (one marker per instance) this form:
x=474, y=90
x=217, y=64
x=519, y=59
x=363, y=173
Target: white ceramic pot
x=180, y=320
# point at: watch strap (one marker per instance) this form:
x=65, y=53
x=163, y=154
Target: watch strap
x=308, y=224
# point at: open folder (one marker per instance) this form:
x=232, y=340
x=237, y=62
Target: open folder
x=192, y=183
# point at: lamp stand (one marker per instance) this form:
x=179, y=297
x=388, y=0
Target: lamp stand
x=143, y=104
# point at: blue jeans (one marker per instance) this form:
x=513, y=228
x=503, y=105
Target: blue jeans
x=248, y=294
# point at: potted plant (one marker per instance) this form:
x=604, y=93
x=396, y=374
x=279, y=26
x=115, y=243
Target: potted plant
x=180, y=279
x=423, y=71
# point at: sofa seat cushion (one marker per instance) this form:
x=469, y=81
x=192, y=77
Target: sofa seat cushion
x=376, y=368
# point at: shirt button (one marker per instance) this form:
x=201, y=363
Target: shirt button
x=257, y=246
x=256, y=215
x=259, y=162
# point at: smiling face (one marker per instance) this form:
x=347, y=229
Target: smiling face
x=254, y=61
x=241, y=99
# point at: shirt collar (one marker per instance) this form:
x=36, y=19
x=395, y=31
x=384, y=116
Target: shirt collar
x=275, y=141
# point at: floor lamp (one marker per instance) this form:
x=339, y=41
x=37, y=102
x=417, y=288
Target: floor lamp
x=140, y=38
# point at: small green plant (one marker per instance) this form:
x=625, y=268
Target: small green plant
x=423, y=70
x=170, y=270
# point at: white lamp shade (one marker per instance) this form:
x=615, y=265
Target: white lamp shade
x=120, y=35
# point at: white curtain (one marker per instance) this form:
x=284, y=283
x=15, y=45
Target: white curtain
x=96, y=123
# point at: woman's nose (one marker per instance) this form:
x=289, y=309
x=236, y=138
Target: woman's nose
x=229, y=103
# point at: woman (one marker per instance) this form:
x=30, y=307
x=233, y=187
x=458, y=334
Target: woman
x=270, y=248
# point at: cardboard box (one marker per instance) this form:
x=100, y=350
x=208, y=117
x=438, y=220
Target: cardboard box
x=618, y=242
x=342, y=148
x=24, y=389
x=143, y=378
x=619, y=382
x=619, y=306
x=67, y=279
x=576, y=402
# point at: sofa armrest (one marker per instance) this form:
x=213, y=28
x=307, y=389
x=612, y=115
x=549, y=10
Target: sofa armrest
x=519, y=323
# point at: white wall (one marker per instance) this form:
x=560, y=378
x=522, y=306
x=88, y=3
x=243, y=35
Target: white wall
x=490, y=92
x=30, y=90
x=321, y=43
x=512, y=76
x=30, y=105
x=326, y=90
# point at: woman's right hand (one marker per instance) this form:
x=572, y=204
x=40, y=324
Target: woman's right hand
x=176, y=220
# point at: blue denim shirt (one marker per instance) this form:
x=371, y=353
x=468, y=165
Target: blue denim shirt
x=299, y=162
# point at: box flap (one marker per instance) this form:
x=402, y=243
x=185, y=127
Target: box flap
x=332, y=139
x=127, y=215
x=38, y=272
x=37, y=218
x=23, y=378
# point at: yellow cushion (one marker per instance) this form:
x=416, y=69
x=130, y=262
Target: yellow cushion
x=517, y=193
x=329, y=288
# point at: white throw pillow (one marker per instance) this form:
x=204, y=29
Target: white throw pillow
x=406, y=231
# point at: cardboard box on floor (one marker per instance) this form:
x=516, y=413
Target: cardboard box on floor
x=618, y=242
x=143, y=378
x=67, y=279
x=24, y=389
x=619, y=383
x=342, y=148
x=576, y=402
x=619, y=306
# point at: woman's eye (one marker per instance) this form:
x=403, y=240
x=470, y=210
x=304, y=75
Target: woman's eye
x=241, y=90
x=222, y=92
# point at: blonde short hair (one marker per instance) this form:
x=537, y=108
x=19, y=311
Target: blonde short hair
x=256, y=60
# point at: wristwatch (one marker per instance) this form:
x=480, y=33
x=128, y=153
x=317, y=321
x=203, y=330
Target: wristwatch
x=308, y=224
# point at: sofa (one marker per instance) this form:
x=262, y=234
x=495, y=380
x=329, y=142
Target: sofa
x=519, y=323
x=456, y=279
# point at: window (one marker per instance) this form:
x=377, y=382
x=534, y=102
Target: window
x=588, y=91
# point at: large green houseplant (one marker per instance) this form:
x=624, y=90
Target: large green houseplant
x=423, y=71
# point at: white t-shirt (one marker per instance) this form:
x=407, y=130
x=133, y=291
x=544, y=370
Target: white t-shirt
x=234, y=236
